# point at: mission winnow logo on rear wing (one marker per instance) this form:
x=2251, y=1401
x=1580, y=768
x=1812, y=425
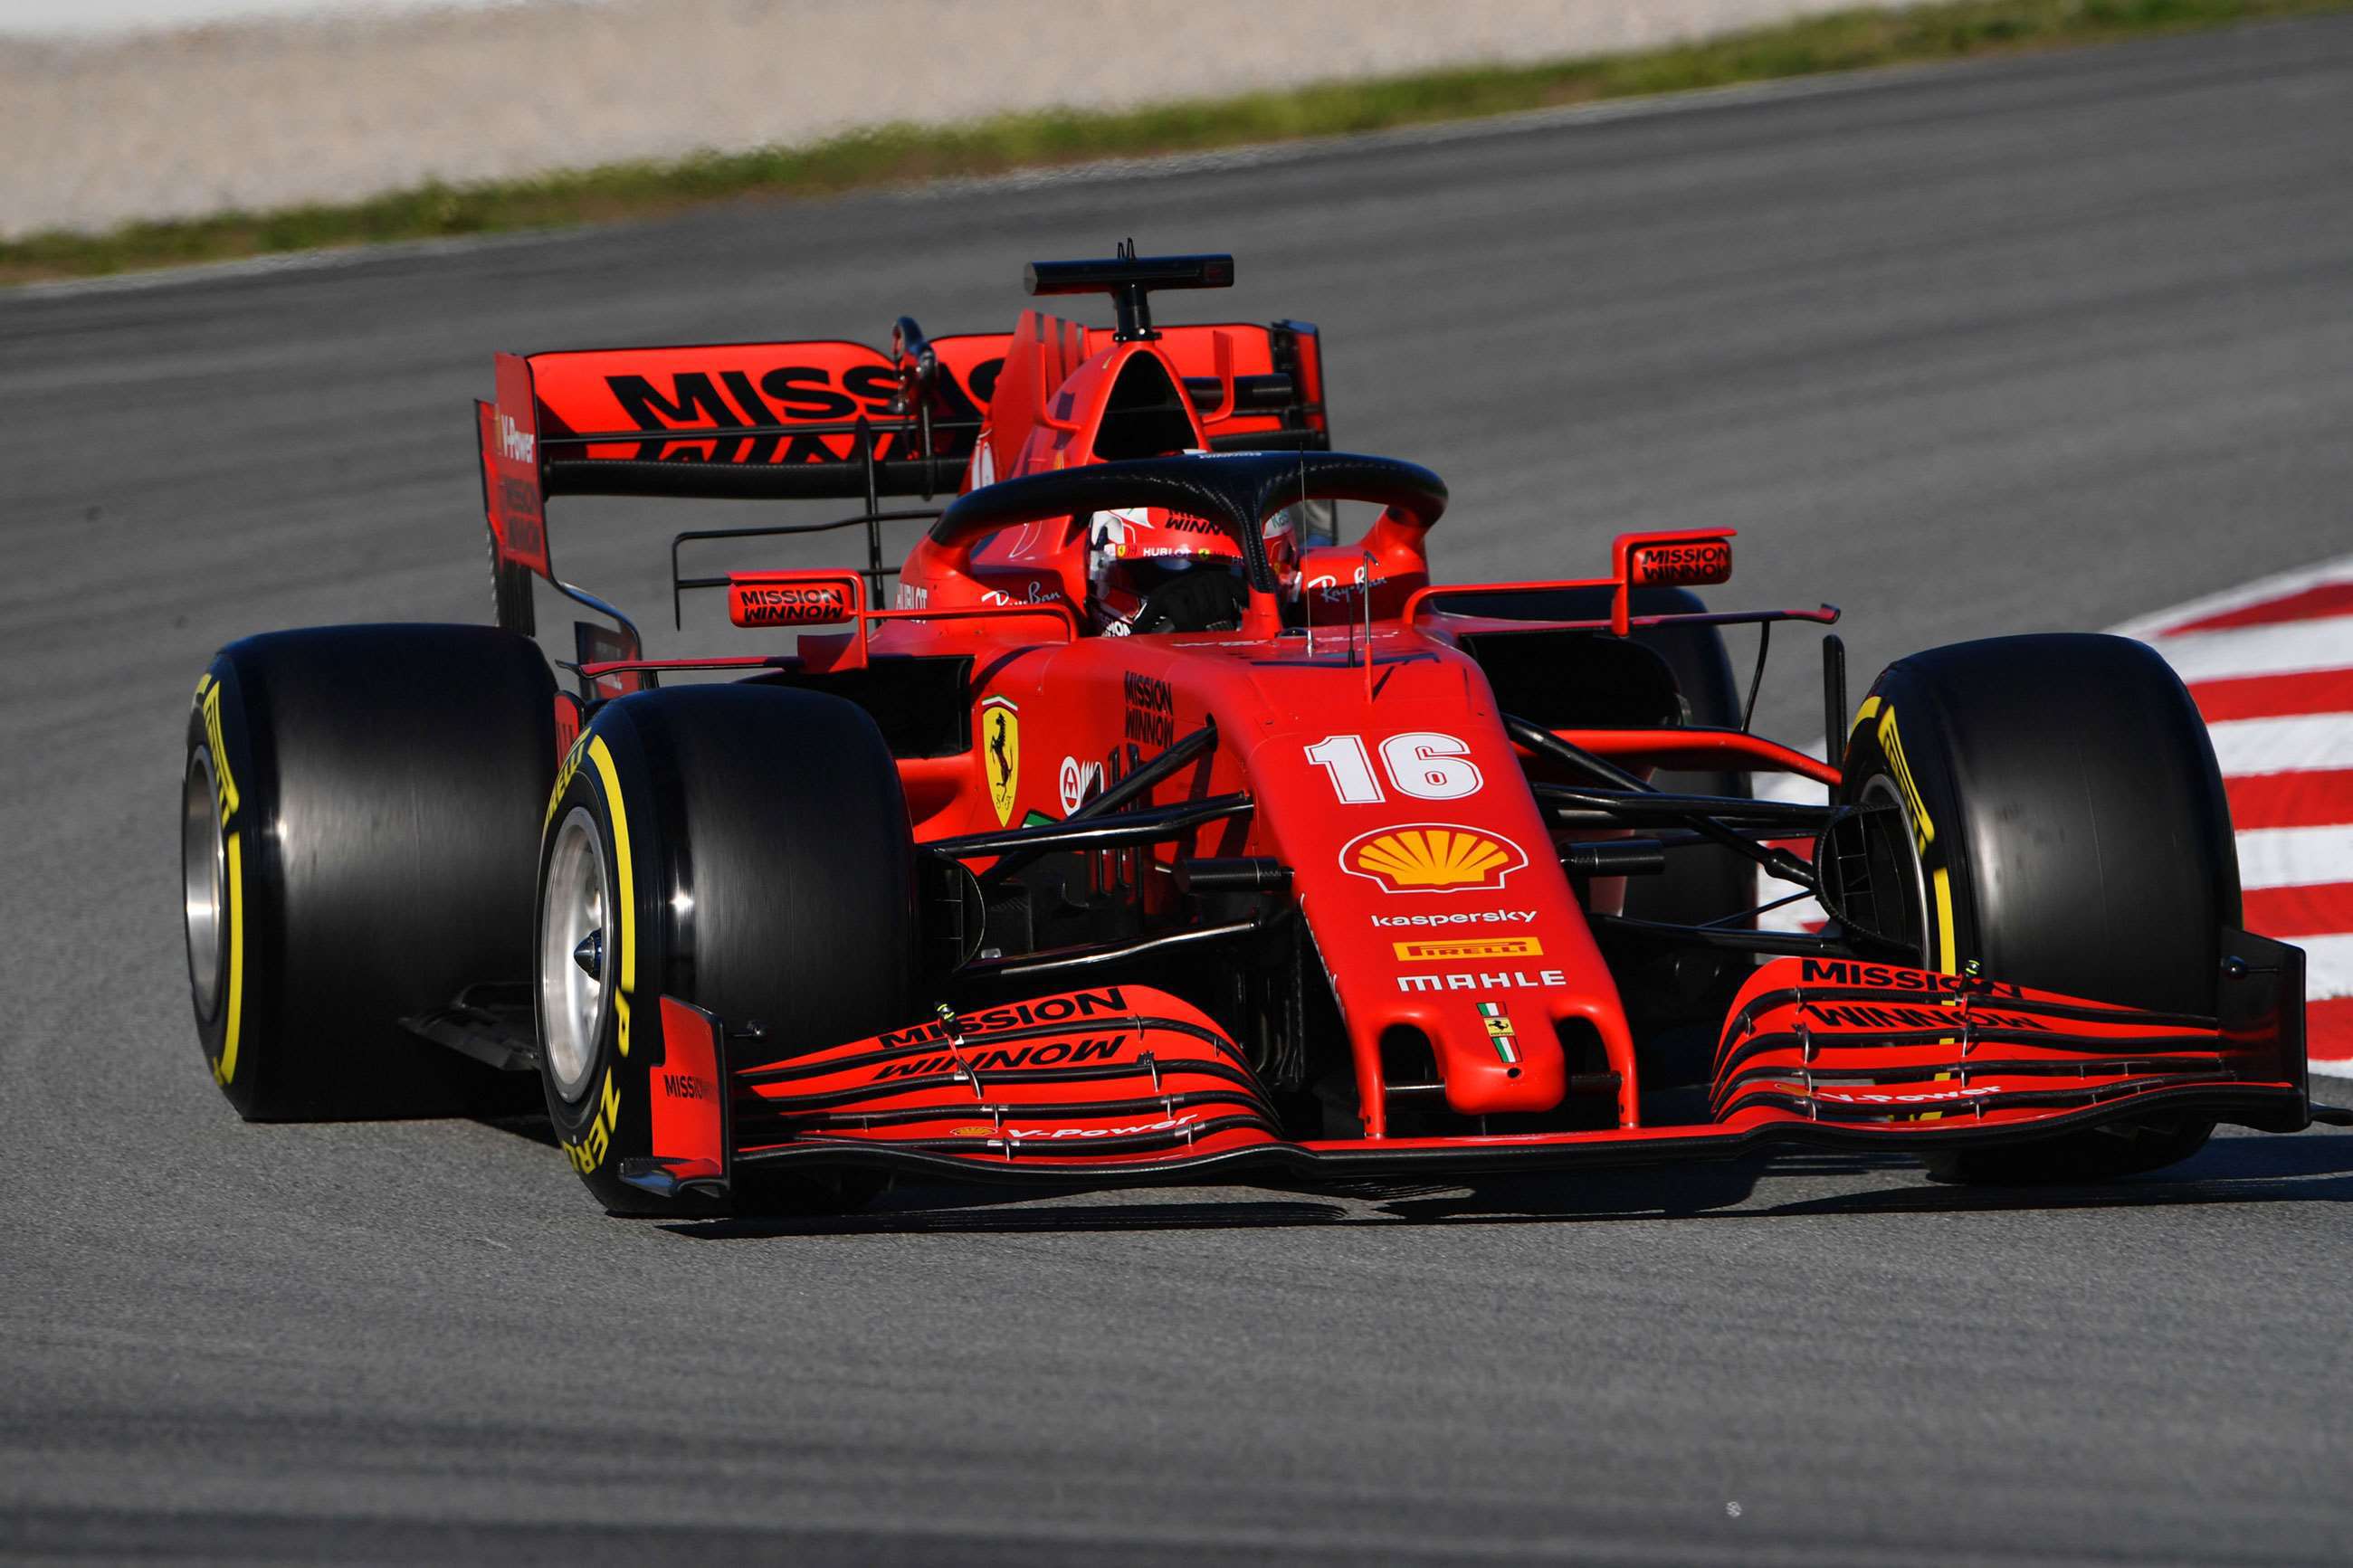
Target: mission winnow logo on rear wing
x=785, y=394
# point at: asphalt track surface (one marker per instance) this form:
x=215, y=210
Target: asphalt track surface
x=2032, y=345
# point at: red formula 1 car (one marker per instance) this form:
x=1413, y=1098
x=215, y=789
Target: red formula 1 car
x=1140, y=832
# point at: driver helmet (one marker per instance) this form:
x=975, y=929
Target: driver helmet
x=1152, y=569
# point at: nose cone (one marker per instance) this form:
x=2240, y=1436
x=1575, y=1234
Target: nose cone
x=1428, y=876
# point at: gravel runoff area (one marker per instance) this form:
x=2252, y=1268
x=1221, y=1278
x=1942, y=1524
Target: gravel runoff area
x=270, y=113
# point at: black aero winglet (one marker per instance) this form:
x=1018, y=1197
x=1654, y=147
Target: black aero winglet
x=486, y=1025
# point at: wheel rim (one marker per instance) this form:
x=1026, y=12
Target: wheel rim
x=1902, y=910
x=575, y=958
x=204, y=881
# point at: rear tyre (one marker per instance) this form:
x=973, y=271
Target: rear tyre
x=2059, y=822
x=357, y=810
x=744, y=848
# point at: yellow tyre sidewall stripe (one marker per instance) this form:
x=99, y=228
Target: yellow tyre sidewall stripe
x=1923, y=833
x=226, y=800
x=224, y=1070
x=588, y=1151
x=1948, y=960
x=622, y=869
x=1940, y=881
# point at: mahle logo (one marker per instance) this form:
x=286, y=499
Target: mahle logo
x=1432, y=858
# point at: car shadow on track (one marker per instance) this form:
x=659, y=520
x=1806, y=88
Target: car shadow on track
x=533, y=1127
x=2231, y=1169
x=948, y=1211
x=2316, y=1168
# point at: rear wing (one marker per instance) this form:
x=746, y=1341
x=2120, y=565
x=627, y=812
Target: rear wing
x=818, y=419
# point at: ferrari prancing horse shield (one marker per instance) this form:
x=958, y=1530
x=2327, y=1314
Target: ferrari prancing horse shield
x=1001, y=749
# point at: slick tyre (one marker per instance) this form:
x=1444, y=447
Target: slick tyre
x=358, y=809
x=2056, y=820
x=743, y=848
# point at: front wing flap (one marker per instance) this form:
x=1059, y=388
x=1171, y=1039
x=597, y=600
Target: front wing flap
x=1122, y=1069
x=1130, y=1084
x=1841, y=1039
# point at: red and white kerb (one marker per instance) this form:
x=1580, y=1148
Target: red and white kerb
x=2271, y=667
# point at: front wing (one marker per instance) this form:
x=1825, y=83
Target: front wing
x=1129, y=1085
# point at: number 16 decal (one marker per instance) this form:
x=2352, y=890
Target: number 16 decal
x=1422, y=764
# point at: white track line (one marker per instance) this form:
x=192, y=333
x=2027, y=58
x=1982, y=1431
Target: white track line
x=2327, y=966
x=2263, y=590
x=285, y=261
x=2284, y=647
x=2295, y=744
x=2295, y=856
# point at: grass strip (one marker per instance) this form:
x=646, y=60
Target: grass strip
x=902, y=154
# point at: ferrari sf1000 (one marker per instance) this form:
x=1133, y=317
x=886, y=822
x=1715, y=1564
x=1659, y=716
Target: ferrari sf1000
x=1132, y=828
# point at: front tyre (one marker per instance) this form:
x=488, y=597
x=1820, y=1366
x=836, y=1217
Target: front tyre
x=2053, y=818
x=743, y=848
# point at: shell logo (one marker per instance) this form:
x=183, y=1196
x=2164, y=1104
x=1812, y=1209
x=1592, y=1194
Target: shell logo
x=1432, y=858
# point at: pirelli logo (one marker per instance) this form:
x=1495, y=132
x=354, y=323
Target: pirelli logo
x=1924, y=831
x=1447, y=949
x=225, y=784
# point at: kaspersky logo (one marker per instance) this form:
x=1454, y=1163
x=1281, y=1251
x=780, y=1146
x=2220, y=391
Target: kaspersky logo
x=1432, y=858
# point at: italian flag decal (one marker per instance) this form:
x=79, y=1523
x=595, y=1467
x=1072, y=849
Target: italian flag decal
x=1499, y=1030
